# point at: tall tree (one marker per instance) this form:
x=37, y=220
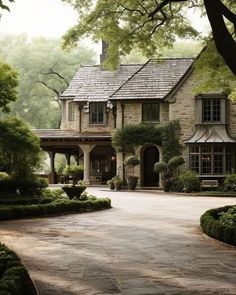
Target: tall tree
x=8, y=84
x=151, y=24
x=41, y=75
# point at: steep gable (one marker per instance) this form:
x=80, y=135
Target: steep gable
x=155, y=80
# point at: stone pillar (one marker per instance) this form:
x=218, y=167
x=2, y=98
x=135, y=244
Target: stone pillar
x=119, y=165
x=86, y=151
x=52, y=177
x=68, y=159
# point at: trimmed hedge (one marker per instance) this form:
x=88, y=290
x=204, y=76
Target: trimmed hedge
x=14, y=278
x=214, y=228
x=55, y=207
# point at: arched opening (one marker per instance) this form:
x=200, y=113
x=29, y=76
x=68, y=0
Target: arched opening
x=150, y=156
x=102, y=164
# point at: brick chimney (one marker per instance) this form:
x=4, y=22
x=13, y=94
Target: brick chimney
x=104, y=52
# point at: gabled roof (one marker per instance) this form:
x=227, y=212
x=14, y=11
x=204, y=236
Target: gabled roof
x=60, y=134
x=91, y=83
x=154, y=80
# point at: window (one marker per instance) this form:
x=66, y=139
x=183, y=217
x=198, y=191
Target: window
x=97, y=113
x=151, y=112
x=71, y=111
x=211, y=159
x=211, y=110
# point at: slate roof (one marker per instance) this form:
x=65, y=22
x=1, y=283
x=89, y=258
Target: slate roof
x=91, y=83
x=154, y=80
x=211, y=134
x=58, y=133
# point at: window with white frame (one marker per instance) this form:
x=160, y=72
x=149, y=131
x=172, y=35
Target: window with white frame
x=211, y=110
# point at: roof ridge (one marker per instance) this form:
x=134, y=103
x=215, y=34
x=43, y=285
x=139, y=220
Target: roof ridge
x=135, y=73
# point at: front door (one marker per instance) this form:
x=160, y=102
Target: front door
x=150, y=157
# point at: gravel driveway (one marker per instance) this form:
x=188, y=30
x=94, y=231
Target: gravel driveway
x=148, y=243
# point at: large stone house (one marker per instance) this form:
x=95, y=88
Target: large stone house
x=97, y=101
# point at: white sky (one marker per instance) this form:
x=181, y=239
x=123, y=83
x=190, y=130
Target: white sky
x=51, y=18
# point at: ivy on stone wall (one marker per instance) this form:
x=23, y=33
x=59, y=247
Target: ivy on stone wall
x=166, y=135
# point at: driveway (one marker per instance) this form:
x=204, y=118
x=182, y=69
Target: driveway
x=148, y=243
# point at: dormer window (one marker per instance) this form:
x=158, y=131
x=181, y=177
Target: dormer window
x=71, y=111
x=97, y=113
x=211, y=110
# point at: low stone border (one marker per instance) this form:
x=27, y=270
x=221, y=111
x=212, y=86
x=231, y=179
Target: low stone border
x=215, y=229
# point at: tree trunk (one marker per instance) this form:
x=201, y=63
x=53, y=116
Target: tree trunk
x=225, y=44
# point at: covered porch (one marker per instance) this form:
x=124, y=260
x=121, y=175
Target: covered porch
x=93, y=151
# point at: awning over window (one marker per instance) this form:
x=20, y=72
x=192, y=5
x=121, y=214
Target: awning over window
x=211, y=134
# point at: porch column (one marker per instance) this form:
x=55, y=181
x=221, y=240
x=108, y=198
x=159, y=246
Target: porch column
x=119, y=165
x=52, y=175
x=86, y=151
x=68, y=159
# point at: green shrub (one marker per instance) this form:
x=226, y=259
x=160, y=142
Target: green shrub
x=190, y=181
x=31, y=185
x=230, y=182
x=76, y=172
x=7, y=184
x=176, y=184
x=228, y=217
x=213, y=226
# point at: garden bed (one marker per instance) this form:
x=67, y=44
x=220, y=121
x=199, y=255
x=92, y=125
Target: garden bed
x=14, y=278
x=217, y=227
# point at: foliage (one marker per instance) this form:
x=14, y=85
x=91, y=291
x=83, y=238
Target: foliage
x=7, y=184
x=31, y=185
x=8, y=84
x=74, y=191
x=55, y=207
x=190, y=181
x=167, y=136
x=43, y=75
x=213, y=227
x=132, y=25
x=19, y=148
x=14, y=278
x=132, y=161
x=228, y=217
x=213, y=73
x=230, y=182
x=4, y=6
x=76, y=172
x=168, y=172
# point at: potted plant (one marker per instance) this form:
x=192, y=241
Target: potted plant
x=117, y=182
x=76, y=189
x=132, y=180
x=110, y=183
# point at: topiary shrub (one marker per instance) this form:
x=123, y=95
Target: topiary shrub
x=7, y=184
x=190, y=181
x=31, y=185
x=76, y=172
x=230, y=183
x=214, y=224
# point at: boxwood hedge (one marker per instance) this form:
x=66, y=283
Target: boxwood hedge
x=214, y=228
x=55, y=207
x=14, y=278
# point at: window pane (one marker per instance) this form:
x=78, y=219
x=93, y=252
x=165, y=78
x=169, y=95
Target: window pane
x=71, y=115
x=206, y=110
x=151, y=112
x=216, y=110
x=206, y=149
x=194, y=149
x=194, y=163
x=229, y=159
x=206, y=164
x=218, y=164
x=97, y=113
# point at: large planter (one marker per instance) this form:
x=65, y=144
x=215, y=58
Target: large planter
x=118, y=185
x=132, y=182
x=74, y=191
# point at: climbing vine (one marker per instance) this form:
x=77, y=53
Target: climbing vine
x=166, y=135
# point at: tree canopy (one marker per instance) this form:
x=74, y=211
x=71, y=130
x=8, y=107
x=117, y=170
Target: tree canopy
x=151, y=24
x=19, y=147
x=43, y=75
x=8, y=84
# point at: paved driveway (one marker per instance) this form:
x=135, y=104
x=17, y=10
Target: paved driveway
x=149, y=243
